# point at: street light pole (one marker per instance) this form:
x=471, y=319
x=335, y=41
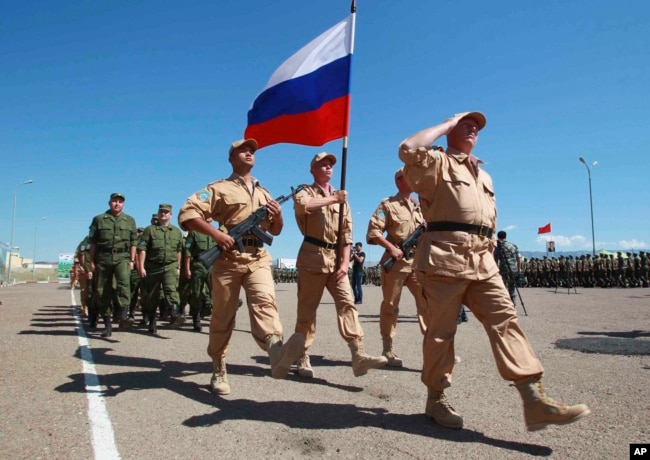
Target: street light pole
x=13, y=221
x=34, y=259
x=591, y=205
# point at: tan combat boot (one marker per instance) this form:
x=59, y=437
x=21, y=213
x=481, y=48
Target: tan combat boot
x=540, y=410
x=393, y=359
x=361, y=362
x=304, y=367
x=439, y=409
x=219, y=382
x=283, y=356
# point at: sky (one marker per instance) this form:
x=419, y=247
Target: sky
x=145, y=97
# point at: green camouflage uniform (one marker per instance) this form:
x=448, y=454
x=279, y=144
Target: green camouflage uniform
x=200, y=296
x=112, y=237
x=162, y=245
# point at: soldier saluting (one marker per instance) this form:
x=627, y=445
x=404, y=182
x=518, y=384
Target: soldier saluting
x=455, y=265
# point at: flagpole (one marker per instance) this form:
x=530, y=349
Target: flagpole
x=344, y=148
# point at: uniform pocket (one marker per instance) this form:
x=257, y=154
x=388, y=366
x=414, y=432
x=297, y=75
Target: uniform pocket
x=447, y=255
x=124, y=231
x=237, y=202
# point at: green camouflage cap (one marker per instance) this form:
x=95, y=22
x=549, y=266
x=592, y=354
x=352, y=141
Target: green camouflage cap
x=117, y=195
x=165, y=207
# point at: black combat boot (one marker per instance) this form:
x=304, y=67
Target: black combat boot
x=125, y=320
x=92, y=319
x=196, y=322
x=108, y=326
x=144, y=321
x=164, y=310
x=176, y=318
x=152, y=323
x=132, y=312
x=206, y=310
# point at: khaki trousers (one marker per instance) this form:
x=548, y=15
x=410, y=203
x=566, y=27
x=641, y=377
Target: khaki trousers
x=392, y=283
x=227, y=280
x=310, y=291
x=491, y=305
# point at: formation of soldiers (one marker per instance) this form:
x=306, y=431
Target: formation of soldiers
x=121, y=264
x=371, y=275
x=603, y=271
x=455, y=264
x=192, y=290
x=162, y=281
x=179, y=280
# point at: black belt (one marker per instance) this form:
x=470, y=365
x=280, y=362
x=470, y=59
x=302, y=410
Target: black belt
x=252, y=242
x=480, y=230
x=113, y=250
x=319, y=243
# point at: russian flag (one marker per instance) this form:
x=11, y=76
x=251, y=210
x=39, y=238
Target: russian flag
x=307, y=99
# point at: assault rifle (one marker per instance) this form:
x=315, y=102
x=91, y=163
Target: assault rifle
x=406, y=246
x=246, y=227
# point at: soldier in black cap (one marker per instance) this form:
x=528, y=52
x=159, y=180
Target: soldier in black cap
x=112, y=253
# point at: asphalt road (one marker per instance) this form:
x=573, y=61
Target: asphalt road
x=136, y=396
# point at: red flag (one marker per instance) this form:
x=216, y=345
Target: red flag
x=545, y=229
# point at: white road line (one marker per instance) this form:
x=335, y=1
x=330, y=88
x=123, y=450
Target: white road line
x=103, y=438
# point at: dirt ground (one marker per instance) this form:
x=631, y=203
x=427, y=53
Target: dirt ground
x=594, y=344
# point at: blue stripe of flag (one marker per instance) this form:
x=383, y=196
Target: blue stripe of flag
x=303, y=94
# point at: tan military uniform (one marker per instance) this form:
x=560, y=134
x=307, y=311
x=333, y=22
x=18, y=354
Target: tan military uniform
x=398, y=217
x=229, y=202
x=456, y=267
x=317, y=266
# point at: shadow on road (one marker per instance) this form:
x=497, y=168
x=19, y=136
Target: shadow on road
x=331, y=416
x=170, y=375
x=635, y=334
x=611, y=343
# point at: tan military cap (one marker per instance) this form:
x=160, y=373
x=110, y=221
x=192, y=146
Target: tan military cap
x=250, y=142
x=321, y=156
x=478, y=117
